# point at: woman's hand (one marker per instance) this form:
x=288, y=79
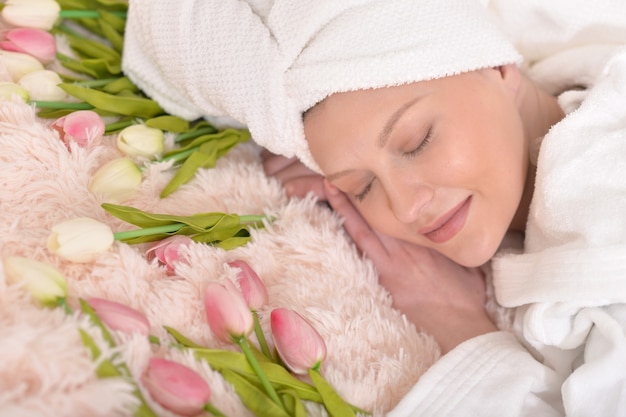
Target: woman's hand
x=439, y=296
x=297, y=179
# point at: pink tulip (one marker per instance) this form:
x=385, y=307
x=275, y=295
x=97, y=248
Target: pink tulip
x=298, y=343
x=118, y=316
x=167, y=251
x=83, y=127
x=252, y=288
x=176, y=387
x=35, y=42
x=227, y=313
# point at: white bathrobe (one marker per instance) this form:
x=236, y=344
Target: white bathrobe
x=567, y=352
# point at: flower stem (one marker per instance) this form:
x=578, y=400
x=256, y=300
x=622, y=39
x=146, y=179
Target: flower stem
x=147, y=231
x=214, y=411
x=243, y=344
x=252, y=218
x=258, y=331
x=177, y=157
x=112, y=127
x=88, y=14
x=63, y=303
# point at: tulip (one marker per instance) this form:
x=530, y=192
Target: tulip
x=167, y=251
x=18, y=64
x=35, y=42
x=298, y=343
x=43, y=85
x=255, y=294
x=8, y=90
x=252, y=288
x=40, y=14
x=176, y=387
x=120, y=317
x=80, y=240
x=116, y=181
x=83, y=127
x=45, y=283
x=231, y=320
x=140, y=141
x=227, y=313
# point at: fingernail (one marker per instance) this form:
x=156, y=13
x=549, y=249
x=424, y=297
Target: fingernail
x=330, y=189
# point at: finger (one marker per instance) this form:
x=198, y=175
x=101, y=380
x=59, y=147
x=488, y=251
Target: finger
x=301, y=186
x=361, y=233
x=275, y=163
x=294, y=170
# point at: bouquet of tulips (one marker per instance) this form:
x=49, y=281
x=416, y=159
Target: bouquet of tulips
x=82, y=88
x=269, y=382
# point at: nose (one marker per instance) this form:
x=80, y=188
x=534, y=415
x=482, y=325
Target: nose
x=408, y=199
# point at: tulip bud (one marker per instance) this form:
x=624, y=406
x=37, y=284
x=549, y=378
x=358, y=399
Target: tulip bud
x=45, y=283
x=80, y=240
x=252, y=288
x=8, y=90
x=35, y=42
x=120, y=317
x=140, y=141
x=116, y=181
x=167, y=251
x=298, y=343
x=41, y=14
x=176, y=387
x=83, y=127
x=18, y=64
x=227, y=313
x=43, y=85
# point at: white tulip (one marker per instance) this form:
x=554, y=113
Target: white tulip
x=116, y=181
x=45, y=283
x=9, y=90
x=141, y=141
x=43, y=85
x=80, y=240
x=39, y=14
x=18, y=64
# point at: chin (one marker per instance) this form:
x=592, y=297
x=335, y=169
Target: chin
x=475, y=254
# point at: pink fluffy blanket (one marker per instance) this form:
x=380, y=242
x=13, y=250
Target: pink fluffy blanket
x=305, y=259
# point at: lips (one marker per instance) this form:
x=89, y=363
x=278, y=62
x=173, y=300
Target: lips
x=448, y=225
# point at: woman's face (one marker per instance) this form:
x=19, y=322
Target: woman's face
x=438, y=163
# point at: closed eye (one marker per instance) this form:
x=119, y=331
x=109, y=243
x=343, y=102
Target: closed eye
x=361, y=196
x=420, y=148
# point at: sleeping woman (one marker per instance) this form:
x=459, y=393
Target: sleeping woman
x=436, y=129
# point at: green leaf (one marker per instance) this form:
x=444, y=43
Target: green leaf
x=128, y=106
x=180, y=338
x=280, y=378
x=335, y=405
x=200, y=222
x=211, y=147
x=253, y=398
x=293, y=403
x=89, y=312
x=168, y=123
x=105, y=367
x=119, y=85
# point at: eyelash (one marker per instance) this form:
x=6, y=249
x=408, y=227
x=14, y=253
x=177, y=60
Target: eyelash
x=411, y=154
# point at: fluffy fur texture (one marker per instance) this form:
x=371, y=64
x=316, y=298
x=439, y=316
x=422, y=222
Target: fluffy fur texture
x=304, y=258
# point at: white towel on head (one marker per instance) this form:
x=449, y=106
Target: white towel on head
x=262, y=63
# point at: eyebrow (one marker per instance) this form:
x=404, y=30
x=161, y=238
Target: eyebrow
x=393, y=120
x=383, y=137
